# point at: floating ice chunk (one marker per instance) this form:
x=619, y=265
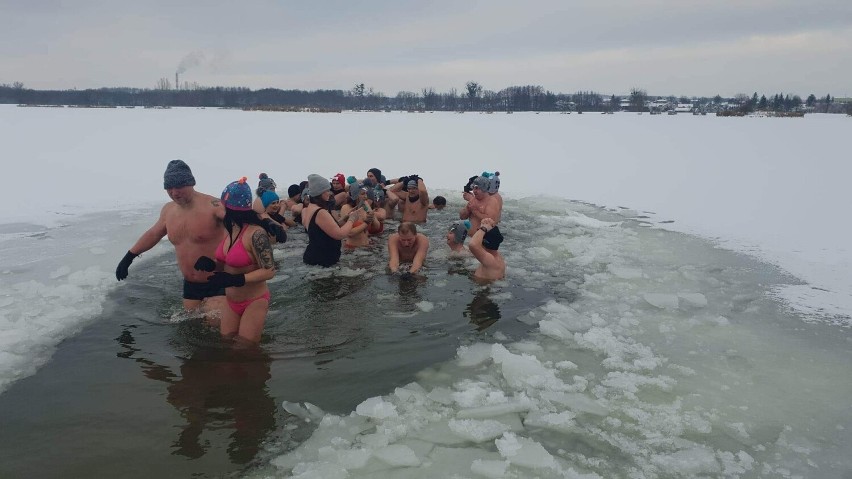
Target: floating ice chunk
x=474, y=354
x=397, y=455
x=623, y=272
x=376, y=408
x=576, y=402
x=309, y=412
x=62, y=271
x=411, y=392
x=733, y=466
x=494, y=469
x=425, y=306
x=695, y=300
x=689, y=462
x=661, y=300
x=566, y=365
x=485, y=412
x=478, y=431
x=346, y=458
x=441, y=395
x=437, y=433
x=560, y=422
x=524, y=370
x=322, y=470
x=524, y=452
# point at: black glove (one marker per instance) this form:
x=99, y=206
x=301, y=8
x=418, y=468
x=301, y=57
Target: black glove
x=404, y=181
x=275, y=230
x=221, y=279
x=205, y=263
x=121, y=269
x=414, y=178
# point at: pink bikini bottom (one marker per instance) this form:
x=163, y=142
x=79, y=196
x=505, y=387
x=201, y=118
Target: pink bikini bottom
x=240, y=307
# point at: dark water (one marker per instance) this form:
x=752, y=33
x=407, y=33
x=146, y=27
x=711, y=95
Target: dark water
x=143, y=392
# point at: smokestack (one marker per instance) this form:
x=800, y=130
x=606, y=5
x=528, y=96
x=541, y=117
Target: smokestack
x=177, y=83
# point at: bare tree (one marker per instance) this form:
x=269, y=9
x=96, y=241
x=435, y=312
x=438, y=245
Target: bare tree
x=637, y=99
x=474, y=90
x=164, y=84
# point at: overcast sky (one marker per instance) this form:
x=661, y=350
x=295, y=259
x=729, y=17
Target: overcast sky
x=679, y=47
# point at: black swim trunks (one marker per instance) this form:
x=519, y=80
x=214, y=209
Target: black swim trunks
x=200, y=291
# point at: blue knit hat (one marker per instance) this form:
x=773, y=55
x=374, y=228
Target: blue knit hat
x=237, y=195
x=268, y=197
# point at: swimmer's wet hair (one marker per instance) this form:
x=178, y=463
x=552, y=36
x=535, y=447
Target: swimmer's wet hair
x=407, y=227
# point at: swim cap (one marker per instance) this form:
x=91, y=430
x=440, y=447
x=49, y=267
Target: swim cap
x=268, y=197
x=460, y=232
x=237, y=195
x=177, y=175
x=492, y=239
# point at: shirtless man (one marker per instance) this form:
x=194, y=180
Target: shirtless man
x=483, y=245
x=193, y=222
x=481, y=205
x=407, y=245
x=414, y=198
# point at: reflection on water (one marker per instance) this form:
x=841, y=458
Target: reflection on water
x=482, y=311
x=215, y=388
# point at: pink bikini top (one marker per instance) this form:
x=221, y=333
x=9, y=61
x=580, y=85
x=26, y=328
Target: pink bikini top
x=237, y=256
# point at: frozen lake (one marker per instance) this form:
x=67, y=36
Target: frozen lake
x=618, y=346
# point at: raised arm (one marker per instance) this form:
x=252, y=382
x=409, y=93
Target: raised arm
x=478, y=251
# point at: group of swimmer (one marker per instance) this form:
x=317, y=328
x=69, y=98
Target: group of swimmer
x=224, y=245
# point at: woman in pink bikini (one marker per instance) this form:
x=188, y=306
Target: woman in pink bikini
x=243, y=265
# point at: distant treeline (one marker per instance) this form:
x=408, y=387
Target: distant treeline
x=472, y=98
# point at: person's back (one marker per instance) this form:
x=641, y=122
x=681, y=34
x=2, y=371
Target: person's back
x=324, y=234
x=322, y=249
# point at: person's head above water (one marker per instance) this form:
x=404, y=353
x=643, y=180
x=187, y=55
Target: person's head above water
x=293, y=191
x=375, y=175
x=177, y=175
x=439, y=202
x=459, y=232
x=237, y=195
x=269, y=197
x=265, y=184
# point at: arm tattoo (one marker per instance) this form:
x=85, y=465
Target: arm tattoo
x=260, y=241
x=215, y=202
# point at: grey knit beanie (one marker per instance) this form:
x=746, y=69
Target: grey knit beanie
x=177, y=175
x=317, y=185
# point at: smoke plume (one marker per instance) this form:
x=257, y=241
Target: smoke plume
x=191, y=60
